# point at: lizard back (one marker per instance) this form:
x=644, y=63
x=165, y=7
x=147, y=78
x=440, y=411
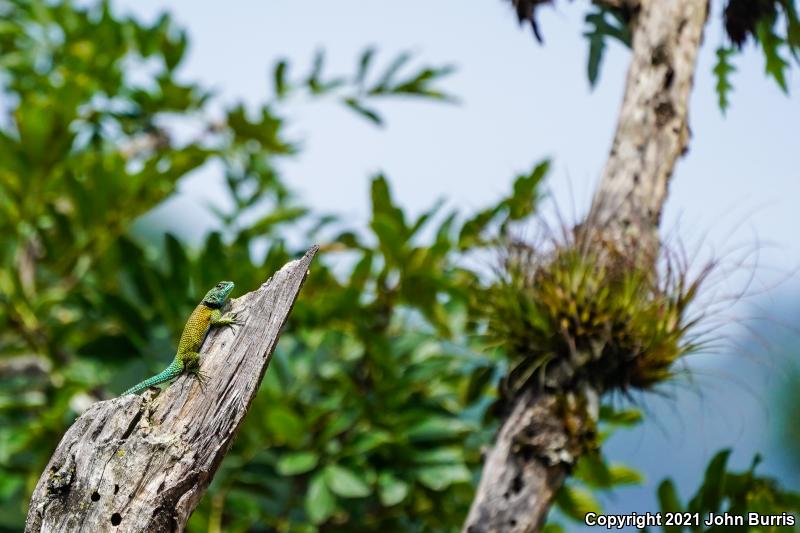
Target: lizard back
x=195, y=330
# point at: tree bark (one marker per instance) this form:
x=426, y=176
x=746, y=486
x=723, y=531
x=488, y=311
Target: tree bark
x=543, y=434
x=142, y=463
x=519, y=481
x=653, y=129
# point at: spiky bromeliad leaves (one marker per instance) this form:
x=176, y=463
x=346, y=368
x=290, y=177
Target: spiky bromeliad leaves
x=570, y=316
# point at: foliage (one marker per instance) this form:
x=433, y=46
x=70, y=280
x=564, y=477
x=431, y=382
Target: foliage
x=359, y=419
x=603, y=22
x=759, y=20
x=86, y=307
x=722, y=71
x=567, y=314
x=363, y=85
x=373, y=413
x=734, y=493
x=773, y=25
x=70, y=185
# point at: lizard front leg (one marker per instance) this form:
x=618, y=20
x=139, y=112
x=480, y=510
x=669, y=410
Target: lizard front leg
x=229, y=319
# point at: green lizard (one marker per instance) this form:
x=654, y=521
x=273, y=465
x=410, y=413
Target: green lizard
x=187, y=359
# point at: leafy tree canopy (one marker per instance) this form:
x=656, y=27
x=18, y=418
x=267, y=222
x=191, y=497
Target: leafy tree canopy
x=379, y=397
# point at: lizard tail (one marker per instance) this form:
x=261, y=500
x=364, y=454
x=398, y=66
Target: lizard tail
x=171, y=372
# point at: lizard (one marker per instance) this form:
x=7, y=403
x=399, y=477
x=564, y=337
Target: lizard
x=187, y=359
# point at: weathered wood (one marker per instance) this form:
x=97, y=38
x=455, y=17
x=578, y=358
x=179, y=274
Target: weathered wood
x=517, y=489
x=142, y=463
x=653, y=127
x=527, y=465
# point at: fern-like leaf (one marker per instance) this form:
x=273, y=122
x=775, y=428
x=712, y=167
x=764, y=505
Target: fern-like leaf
x=722, y=71
x=770, y=43
x=603, y=23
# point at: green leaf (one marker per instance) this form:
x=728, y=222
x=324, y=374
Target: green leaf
x=445, y=455
x=297, y=463
x=437, y=427
x=391, y=71
x=419, y=84
x=439, y=477
x=314, y=82
x=668, y=502
x=388, y=221
x=709, y=497
x=363, y=65
x=599, y=29
x=792, y=28
x=382, y=202
x=345, y=483
x=597, y=48
x=770, y=42
x=264, y=129
x=593, y=470
x=472, y=229
x=284, y=425
x=368, y=441
x=625, y=418
x=9, y=485
x=391, y=490
x=425, y=217
x=723, y=70
x=577, y=502
x=478, y=380
x=365, y=112
x=174, y=50
x=523, y=200
x=320, y=503
x=279, y=78
x=625, y=475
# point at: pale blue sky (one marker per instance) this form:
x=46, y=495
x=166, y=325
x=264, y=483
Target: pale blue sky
x=521, y=102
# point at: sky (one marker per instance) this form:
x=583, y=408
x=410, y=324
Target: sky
x=733, y=197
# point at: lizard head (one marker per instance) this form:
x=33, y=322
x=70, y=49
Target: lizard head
x=217, y=295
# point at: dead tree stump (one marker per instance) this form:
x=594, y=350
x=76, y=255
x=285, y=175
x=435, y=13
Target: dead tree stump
x=142, y=463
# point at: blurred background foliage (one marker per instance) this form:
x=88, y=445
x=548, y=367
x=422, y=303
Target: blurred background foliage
x=377, y=404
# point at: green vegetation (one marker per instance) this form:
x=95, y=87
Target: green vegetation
x=568, y=316
x=377, y=402
x=773, y=26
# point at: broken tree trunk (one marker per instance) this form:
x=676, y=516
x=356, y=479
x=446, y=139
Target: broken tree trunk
x=539, y=441
x=142, y=463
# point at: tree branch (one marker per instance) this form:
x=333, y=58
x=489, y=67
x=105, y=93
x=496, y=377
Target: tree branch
x=142, y=463
x=653, y=130
x=520, y=480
